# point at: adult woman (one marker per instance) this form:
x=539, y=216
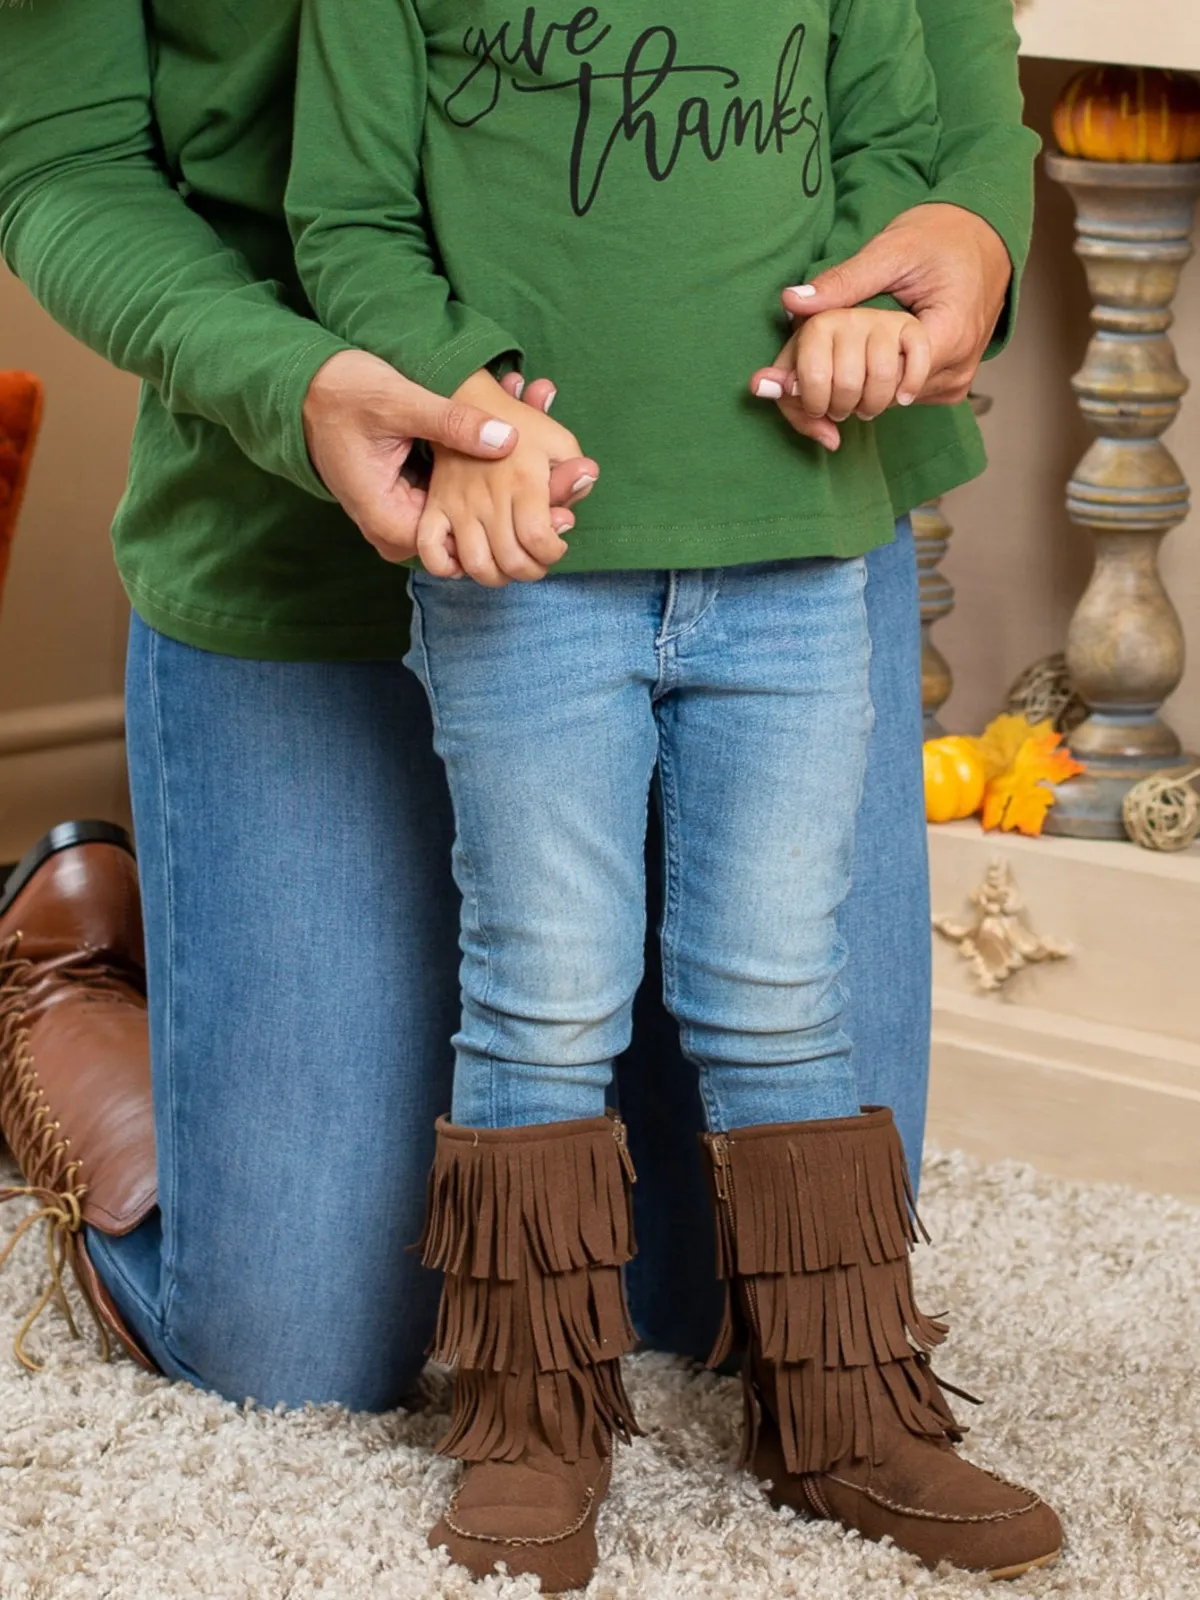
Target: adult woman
x=292, y=826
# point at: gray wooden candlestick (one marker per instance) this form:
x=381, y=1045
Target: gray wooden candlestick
x=1125, y=647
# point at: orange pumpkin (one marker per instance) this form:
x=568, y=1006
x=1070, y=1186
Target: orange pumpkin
x=955, y=778
x=1129, y=114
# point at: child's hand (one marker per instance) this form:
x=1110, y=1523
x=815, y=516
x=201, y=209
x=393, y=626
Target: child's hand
x=491, y=520
x=841, y=364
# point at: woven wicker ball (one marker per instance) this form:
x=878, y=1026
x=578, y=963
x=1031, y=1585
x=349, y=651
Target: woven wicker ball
x=1045, y=692
x=1163, y=813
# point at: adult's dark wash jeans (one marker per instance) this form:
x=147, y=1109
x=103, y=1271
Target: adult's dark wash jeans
x=294, y=834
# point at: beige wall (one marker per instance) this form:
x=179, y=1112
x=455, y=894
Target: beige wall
x=63, y=625
x=1017, y=562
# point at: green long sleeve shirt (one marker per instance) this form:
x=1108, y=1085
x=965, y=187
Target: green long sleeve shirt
x=144, y=149
x=618, y=195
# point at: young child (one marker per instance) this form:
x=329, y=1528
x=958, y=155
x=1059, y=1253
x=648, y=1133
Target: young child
x=617, y=192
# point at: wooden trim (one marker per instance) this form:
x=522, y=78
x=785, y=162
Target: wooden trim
x=1086, y=1101
x=1144, y=33
x=58, y=727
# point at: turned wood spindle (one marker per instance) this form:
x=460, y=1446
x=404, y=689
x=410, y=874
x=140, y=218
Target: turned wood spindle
x=933, y=532
x=1125, y=648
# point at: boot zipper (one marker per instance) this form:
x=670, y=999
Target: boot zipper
x=621, y=1137
x=723, y=1183
x=719, y=1145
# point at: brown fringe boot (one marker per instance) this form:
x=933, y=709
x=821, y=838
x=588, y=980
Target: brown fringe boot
x=75, y=1103
x=532, y=1227
x=844, y=1418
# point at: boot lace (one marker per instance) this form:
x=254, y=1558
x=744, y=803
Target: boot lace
x=35, y=1139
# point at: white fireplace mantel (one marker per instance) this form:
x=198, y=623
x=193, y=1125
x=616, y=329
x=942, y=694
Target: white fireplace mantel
x=1144, y=33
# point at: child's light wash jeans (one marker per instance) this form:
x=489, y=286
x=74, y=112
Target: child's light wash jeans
x=742, y=694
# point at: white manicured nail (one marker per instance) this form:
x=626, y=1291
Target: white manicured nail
x=495, y=435
x=905, y=399
x=768, y=389
x=804, y=290
x=520, y=387
x=583, y=483
x=551, y=398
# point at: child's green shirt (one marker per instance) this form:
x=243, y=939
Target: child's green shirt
x=617, y=193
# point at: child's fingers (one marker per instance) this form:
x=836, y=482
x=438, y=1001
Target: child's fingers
x=534, y=529
x=917, y=350
x=814, y=368
x=435, y=545
x=885, y=365
x=452, y=557
x=820, y=429
x=475, y=554
x=849, y=370
x=508, y=553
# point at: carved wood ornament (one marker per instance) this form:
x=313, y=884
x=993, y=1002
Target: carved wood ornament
x=999, y=943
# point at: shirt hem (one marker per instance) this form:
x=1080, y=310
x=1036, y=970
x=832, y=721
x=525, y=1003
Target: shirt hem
x=956, y=464
x=695, y=545
x=308, y=641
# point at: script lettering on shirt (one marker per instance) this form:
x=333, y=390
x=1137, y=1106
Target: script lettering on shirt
x=713, y=115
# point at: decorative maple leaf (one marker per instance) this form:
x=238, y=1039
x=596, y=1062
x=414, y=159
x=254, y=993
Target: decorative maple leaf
x=1017, y=799
x=1002, y=739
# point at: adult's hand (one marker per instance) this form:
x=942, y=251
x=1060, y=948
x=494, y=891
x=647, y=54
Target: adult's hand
x=946, y=265
x=361, y=421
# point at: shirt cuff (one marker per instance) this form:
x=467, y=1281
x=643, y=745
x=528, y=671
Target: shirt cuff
x=481, y=344
x=291, y=391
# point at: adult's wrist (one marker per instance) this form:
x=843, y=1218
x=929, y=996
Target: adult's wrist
x=1002, y=237
x=312, y=384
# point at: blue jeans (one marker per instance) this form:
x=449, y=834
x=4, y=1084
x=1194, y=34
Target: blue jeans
x=888, y=980
x=744, y=692
x=294, y=840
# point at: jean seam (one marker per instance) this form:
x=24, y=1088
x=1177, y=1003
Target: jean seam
x=163, y=1072
x=840, y=944
x=669, y=806
x=464, y=855
x=868, y=658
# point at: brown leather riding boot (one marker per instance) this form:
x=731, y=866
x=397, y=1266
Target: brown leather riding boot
x=75, y=1106
x=532, y=1227
x=844, y=1418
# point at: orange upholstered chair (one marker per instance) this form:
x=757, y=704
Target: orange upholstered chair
x=20, y=415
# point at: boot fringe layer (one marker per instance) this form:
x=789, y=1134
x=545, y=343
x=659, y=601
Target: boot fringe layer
x=562, y=1198
x=577, y=1413
x=816, y=1223
x=816, y=1195
x=532, y=1233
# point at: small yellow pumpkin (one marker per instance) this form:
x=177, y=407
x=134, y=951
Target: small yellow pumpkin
x=955, y=778
x=1129, y=114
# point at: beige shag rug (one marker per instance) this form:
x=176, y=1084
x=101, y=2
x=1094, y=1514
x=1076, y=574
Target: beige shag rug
x=1078, y=1316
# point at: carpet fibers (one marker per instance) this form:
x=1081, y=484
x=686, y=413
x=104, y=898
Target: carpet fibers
x=1077, y=1312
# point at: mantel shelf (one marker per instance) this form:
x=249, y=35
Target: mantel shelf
x=1144, y=33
